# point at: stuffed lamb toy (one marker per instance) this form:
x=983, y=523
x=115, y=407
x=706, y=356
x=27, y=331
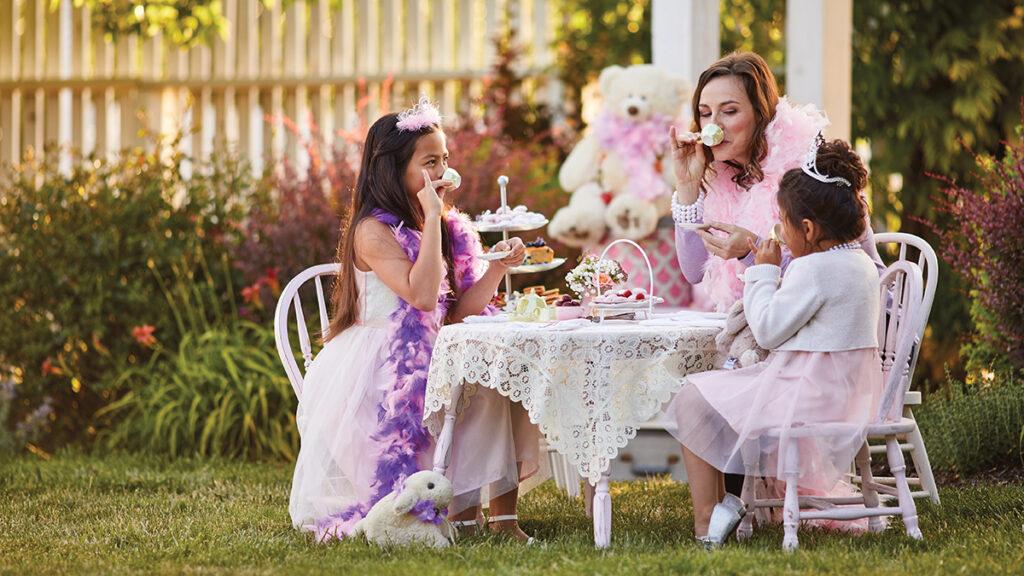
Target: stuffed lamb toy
x=413, y=514
x=736, y=345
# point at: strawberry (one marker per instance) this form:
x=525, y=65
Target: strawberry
x=639, y=295
x=625, y=293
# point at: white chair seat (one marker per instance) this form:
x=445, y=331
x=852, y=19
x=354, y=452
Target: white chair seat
x=904, y=426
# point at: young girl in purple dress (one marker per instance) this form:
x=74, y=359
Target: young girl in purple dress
x=408, y=266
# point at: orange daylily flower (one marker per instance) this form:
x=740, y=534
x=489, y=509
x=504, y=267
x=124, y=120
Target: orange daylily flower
x=144, y=335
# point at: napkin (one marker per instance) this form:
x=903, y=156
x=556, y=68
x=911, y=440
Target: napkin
x=694, y=318
x=486, y=319
x=569, y=324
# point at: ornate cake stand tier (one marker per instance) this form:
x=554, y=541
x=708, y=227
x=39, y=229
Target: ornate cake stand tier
x=544, y=267
x=481, y=227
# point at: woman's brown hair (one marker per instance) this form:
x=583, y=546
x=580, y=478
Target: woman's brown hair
x=386, y=155
x=763, y=92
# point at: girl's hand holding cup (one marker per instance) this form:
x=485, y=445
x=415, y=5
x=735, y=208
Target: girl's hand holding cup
x=769, y=252
x=431, y=196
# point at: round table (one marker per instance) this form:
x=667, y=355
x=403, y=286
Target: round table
x=587, y=386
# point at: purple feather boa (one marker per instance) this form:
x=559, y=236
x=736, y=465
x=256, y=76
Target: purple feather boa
x=400, y=429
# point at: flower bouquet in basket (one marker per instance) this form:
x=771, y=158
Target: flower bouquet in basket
x=581, y=278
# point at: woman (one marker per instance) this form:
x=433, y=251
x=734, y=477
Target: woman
x=731, y=187
x=725, y=195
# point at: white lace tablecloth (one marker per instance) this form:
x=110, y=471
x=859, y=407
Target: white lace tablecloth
x=587, y=388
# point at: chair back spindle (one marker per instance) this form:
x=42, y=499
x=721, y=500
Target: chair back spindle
x=289, y=300
x=928, y=264
x=900, y=288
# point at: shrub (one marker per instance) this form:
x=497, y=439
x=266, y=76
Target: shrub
x=77, y=251
x=220, y=392
x=294, y=222
x=969, y=428
x=983, y=240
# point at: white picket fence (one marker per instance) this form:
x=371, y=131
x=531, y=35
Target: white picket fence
x=333, y=63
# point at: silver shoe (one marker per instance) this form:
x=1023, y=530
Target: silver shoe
x=706, y=543
x=725, y=518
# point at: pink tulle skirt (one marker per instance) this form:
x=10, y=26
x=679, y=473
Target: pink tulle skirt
x=738, y=420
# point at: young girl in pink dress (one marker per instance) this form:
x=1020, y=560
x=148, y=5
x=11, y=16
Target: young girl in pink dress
x=408, y=266
x=820, y=324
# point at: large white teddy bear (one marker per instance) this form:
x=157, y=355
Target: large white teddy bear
x=620, y=174
x=415, y=514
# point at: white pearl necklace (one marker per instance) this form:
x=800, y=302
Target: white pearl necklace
x=845, y=246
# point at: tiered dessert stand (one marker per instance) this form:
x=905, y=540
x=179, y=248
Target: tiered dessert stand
x=511, y=227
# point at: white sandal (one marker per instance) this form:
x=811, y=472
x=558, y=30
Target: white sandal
x=460, y=524
x=706, y=542
x=530, y=541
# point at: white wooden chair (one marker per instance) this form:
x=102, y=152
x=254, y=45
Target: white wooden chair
x=896, y=335
x=913, y=442
x=288, y=301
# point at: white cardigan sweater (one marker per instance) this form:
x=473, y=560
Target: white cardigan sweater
x=827, y=302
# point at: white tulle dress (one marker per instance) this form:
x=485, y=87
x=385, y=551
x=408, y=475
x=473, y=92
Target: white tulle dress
x=337, y=416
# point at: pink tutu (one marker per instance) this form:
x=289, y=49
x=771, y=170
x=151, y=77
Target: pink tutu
x=736, y=420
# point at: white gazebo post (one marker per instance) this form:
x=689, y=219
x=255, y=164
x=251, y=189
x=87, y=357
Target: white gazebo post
x=65, y=111
x=685, y=36
x=820, y=71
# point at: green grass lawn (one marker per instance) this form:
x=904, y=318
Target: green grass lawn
x=78, y=514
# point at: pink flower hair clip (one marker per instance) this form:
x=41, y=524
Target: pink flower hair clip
x=423, y=114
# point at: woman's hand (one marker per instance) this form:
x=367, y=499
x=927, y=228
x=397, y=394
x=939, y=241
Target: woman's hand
x=431, y=196
x=689, y=162
x=735, y=245
x=769, y=252
x=515, y=258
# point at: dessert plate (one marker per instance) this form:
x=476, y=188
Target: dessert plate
x=494, y=255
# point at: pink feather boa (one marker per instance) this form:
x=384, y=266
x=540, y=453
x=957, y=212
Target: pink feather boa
x=640, y=145
x=790, y=135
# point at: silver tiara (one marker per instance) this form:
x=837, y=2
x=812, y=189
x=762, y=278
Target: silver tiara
x=810, y=166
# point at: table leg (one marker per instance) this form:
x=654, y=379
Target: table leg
x=602, y=513
x=588, y=499
x=443, y=450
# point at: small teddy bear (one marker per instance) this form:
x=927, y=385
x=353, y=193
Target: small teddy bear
x=736, y=345
x=415, y=514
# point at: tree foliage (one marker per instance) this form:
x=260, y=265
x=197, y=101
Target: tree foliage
x=931, y=78
x=756, y=27
x=183, y=22
x=595, y=34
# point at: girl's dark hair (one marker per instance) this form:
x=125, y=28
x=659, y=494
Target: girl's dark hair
x=839, y=210
x=763, y=92
x=386, y=155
